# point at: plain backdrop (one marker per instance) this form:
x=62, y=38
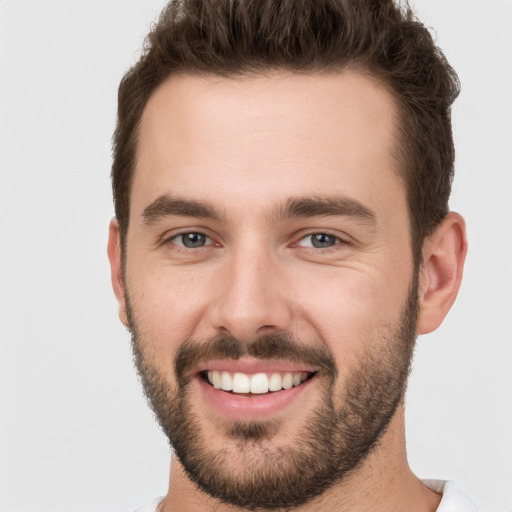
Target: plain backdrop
x=75, y=431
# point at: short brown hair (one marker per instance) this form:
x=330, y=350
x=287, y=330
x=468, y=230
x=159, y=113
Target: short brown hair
x=237, y=37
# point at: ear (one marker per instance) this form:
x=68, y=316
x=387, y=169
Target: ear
x=116, y=268
x=444, y=253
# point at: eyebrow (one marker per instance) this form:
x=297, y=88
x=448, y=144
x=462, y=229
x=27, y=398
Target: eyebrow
x=298, y=207
x=325, y=206
x=168, y=206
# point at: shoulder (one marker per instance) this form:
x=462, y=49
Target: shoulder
x=454, y=499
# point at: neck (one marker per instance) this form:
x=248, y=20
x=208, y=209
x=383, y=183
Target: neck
x=384, y=482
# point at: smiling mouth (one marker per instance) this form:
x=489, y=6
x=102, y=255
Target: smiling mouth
x=254, y=384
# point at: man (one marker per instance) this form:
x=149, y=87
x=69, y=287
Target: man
x=281, y=179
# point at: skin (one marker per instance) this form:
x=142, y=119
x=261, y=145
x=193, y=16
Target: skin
x=246, y=146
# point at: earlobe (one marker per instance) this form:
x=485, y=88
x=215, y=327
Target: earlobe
x=444, y=253
x=116, y=268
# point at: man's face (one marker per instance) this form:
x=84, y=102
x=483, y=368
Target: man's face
x=269, y=246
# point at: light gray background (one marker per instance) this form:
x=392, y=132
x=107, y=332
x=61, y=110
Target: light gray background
x=75, y=432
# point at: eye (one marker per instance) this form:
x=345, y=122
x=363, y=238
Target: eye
x=319, y=241
x=191, y=240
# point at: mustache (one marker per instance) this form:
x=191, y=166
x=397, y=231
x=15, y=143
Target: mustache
x=273, y=346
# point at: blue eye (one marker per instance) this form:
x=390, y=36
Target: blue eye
x=319, y=241
x=191, y=240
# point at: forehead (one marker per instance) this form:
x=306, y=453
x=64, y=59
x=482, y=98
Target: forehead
x=282, y=134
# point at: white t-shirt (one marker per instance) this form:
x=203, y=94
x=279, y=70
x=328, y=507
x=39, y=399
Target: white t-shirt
x=454, y=500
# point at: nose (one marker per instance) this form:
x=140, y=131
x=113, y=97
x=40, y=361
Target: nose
x=252, y=296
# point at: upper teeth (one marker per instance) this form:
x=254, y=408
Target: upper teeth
x=257, y=383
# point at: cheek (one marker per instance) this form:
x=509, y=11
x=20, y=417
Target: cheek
x=349, y=308
x=167, y=306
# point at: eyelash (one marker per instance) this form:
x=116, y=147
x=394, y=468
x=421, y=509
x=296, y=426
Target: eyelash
x=182, y=246
x=337, y=241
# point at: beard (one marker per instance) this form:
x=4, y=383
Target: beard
x=252, y=470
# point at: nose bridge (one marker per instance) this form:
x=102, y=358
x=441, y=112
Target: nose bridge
x=251, y=298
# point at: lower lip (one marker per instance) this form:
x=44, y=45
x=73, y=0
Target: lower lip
x=253, y=406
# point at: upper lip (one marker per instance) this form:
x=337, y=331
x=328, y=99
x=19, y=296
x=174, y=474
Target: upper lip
x=252, y=366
